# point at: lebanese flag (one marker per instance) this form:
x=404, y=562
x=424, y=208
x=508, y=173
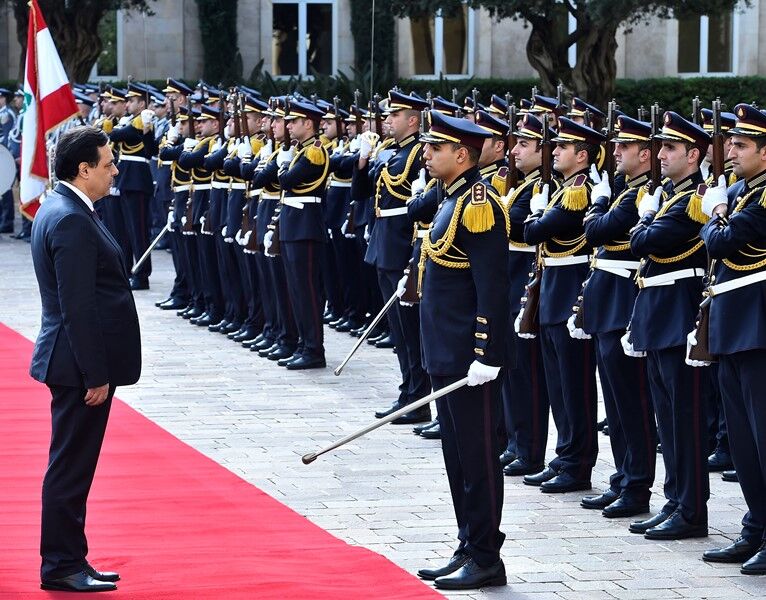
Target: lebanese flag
x=48, y=102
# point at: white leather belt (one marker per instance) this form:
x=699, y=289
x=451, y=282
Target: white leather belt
x=202, y=186
x=622, y=268
x=182, y=188
x=565, y=261
x=268, y=196
x=299, y=201
x=254, y=193
x=129, y=158
x=390, y=212
x=669, y=278
x=422, y=233
x=166, y=163
x=235, y=185
x=340, y=184
x=735, y=284
x=530, y=249
x=220, y=185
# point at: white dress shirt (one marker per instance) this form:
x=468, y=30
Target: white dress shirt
x=80, y=193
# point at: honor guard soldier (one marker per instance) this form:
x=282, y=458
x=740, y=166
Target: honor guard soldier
x=735, y=238
x=670, y=287
x=464, y=310
x=303, y=172
x=728, y=120
x=580, y=110
x=133, y=139
x=556, y=224
x=163, y=194
x=526, y=388
x=390, y=245
x=604, y=313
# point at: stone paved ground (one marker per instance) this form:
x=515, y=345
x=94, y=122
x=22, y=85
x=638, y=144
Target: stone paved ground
x=386, y=492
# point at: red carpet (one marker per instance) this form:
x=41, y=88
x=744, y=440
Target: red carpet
x=174, y=523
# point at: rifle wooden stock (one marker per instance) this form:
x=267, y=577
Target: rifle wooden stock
x=609, y=161
x=530, y=302
x=411, y=286
x=275, y=245
x=701, y=351
x=172, y=109
x=189, y=214
x=719, y=159
x=245, y=126
x=655, y=173
x=512, y=179
x=350, y=219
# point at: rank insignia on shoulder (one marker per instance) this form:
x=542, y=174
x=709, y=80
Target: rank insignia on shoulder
x=502, y=172
x=579, y=181
x=477, y=214
x=576, y=195
x=315, y=153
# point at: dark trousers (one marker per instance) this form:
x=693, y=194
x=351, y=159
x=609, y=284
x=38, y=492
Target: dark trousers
x=570, y=372
x=7, y=213
x=304, y=280
x=331, y=281
x=717, y=431
x=111, y=214
x=135, y=214
x=525, y=402
x=371, y=300
x=231, y=280
x=209, y=280
x=287, y=332
x=253, y=310
x=348, y=264
x=193, y=268
x=469, y=419
x=181, y=289
x=629, y=410
x=677, y=393
x=77, y=433
x=266, y=294
x=741, y=382
x=405, y=331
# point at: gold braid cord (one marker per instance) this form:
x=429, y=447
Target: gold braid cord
x=393, y=181
x=757, y=252
x=665, y=208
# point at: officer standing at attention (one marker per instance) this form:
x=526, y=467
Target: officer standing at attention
x=670, y=283
x=464, y=316
x=735, y=237
x=607, y=304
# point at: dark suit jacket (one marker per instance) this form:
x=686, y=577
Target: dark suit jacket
x=89, y=334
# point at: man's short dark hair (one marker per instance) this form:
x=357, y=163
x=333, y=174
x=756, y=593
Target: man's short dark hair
x=592, y=150
x=690, y=146
x=473, y=153
x=78, y=145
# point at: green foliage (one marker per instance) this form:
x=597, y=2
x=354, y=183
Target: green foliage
x=361, y=28
x=218, y=26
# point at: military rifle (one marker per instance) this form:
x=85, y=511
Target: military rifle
x=696, y=112
x=235, y=116
x=512, y=178
x=172, y=109
x=338, y=120
x=655, y=174
x=358, y=111
x=270, y=130
x=245, y=126
x=378, y=120
x=611, y=118
x=475, y=100
x=222, y=117
x=642, y=113
x=718, y=143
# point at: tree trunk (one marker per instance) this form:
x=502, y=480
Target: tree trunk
x=594, y=75
x=74, y=31
x=548, y=58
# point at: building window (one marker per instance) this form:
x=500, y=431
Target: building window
x=443, y=45
x=109, y=60
x=706, y=44
x=304, y=38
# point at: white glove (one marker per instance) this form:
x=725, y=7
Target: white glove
x=401, y=288
x=627, y=347
x=174, y=131
x=691, y=340
x=539, y=201
x=189, y=144
x=419, y=184
x=715, y=196
x=506, y=200
x=267, y=242
x=367, y=234
x=183, y=224
x=285, y=156
x=339, y=149
x=238, y=237
x=575, y=332
x=170, y=220
x=126, y=120
x=650, y=203
x=366, y=143
x=266, y=150
x=601, y=188
x=244, y=151
x=216, y=145
x=246, y=238
x=353, y=145
x=147, y=117
x=223, y=231
x=479, y=373
x=517, y=327
x=202, y=221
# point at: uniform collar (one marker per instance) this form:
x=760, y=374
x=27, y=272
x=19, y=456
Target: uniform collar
x=535, y=173
x=465, y=178
x=688, y=183
x=309, y=142
x=570, y=180
x=80, y=194
x=492, y=168
x=638, y=180
x=755, y=182
x=408, y=140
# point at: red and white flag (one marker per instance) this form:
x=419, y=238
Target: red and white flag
x=48, y=102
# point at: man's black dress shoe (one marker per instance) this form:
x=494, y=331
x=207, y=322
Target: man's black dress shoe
x=172, y=304
x=344, y=327
x=538, y=478
x=237, y=334
x=218, y=326
x=374, y=338
x=730, y=476
x=138, y=284
x=283, y=361
x=260, y=344
x=244, y=334
x=601, y=501
x=327, y=316
x=207, y=320
x=265, y=352
x=419, y=415
x=625, y=507
x=719, y=461
x=307, y=362
x=418, y=429
x=386, y=342
x=193, y=319
x=335, y=322
x=433, y=433
x=232, y=327
x=507, y=457
x=564, y=482
x=675, y=527
x=605, y=430
x=161, y=302
x=190, y=312
x=600, y=425
x=521, y=467
x=101, y=575
x=21, y=235
x=643, y=526
x=78, y=582
x=458, y=560
x=739, y=551
x=757, y=564
x=472, y=577
x=379, y=414
x=280, y=353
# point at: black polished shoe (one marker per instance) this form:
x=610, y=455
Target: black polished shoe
x=563, y=483
x=101, y=575
x=190, y=312
x=601, y=501
x=374, y=338
x=306, y=362
x=386, y=342
x=739, y=551
x=274, y=349
x=418, y=429
x=643, y=526
x=202, y=315
x=605, y=430
x=207, y=321
x=78, y=582
x=379, y=414
x=600, y=425
x=419, y=415
x=262, y=344
x=730, y=476
x=172, y=304
x=458, y=560
x=327, y=317
x=244, y=335
x=675, y=527
x=232, y=327
x=538, y=478
x=507, y=457
x=218, y=326
x=719, y=461
x=472, y=577
x=159, y=302
x=282, y=362
x=335, y=322
x=757, y=564
x=433, y=433
x=138, y=284
x=265, y=352
x=625, y=507
x=521, y=467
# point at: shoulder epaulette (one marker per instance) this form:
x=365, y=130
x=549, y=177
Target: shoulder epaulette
x=478, y=215
x=255, y=145
x=316, y=153
x=732, y=178
x=694, y=207
x=138, y=123
x=575, y=196
x=498, y=180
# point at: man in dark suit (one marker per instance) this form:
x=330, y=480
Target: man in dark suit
x=89, y=343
